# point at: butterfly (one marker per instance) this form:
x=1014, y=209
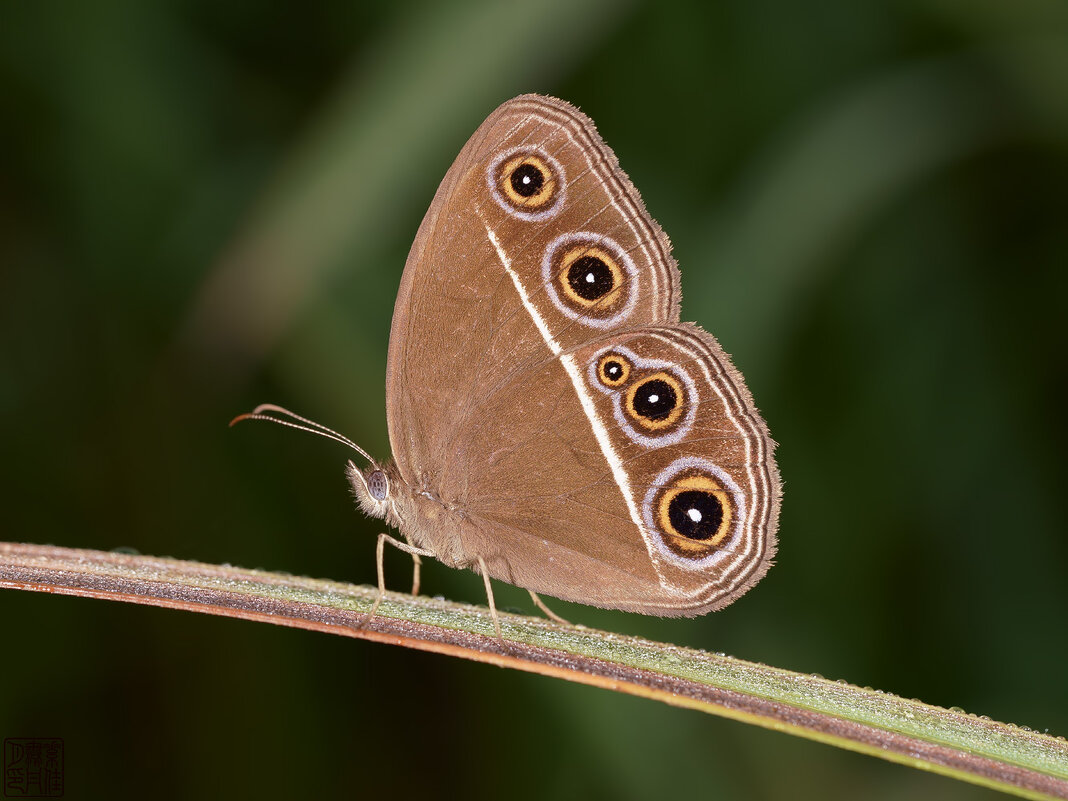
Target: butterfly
x=553, y=423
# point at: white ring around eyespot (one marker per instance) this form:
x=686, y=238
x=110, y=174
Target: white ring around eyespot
x=502, y=201
x=620, y=255
x=740, y=514
x=616, y=393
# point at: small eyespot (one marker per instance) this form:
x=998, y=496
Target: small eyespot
x=656, y=402
x=694, y=513
x=526, y=183
x=613, y=369
x=378, y=485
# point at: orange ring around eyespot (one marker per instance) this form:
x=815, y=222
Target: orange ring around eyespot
x=680, y=542
x=624, y=363
x=606, y=300
x=672, y=417
x=537, y=201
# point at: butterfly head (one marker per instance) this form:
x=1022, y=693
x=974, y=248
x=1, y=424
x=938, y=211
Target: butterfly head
x=375, y=488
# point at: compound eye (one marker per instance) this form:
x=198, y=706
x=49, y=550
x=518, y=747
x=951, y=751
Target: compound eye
x=378, y=485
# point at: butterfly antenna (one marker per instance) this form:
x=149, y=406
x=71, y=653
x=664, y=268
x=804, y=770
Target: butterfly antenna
x=267, y=411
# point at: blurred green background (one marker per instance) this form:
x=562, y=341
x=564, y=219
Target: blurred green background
x=208, y=205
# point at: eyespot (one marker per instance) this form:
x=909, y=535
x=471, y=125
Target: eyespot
x=590, y=278
x=694, y=513
x=613, y=369
x=693, y=508
x=527, y=183
x=656, y=402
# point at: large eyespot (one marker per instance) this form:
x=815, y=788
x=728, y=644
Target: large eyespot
x=590, y=279
x=527, y=183
x=694, y=514
x=613, y=369
x=656, y=402
x=693, y=509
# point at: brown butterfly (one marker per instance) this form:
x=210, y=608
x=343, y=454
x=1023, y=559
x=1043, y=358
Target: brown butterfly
x=553, y=424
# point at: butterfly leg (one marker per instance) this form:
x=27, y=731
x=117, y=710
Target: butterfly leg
x=549, y=613
x=416, y=564
x=489, y=596
x=380, y=553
